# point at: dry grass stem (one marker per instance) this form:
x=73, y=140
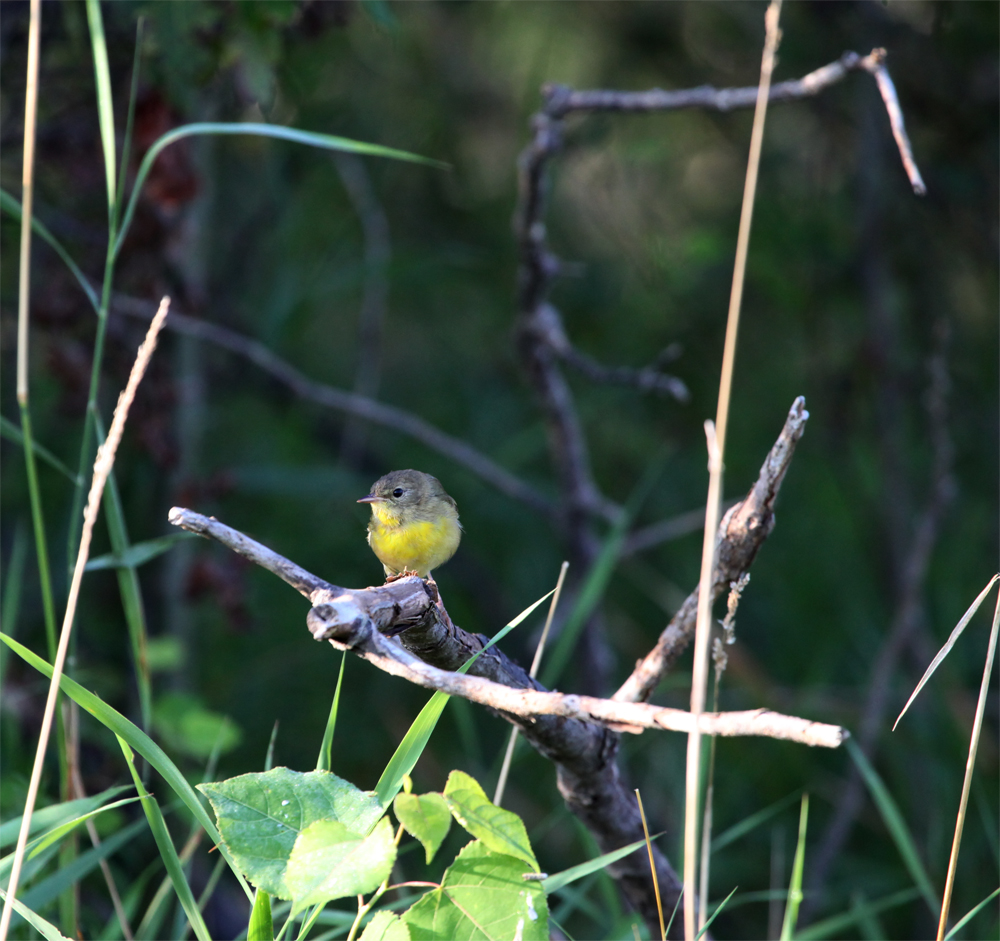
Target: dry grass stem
x=27, y=199
x=533, y=672
x=977, y=728
x=102, y=468
x=652, y=866
x=716, y=451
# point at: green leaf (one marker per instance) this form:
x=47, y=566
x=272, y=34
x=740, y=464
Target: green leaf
x=946, y=649
x=105, y=106
x=708, y=923
x=386, y=927
x=972, y=914
x=168, y=852
x=139, y=553
x=559, y=879
x=57, y=814
x=325, y=759
x=261, y=815
x=311, y=139
x=140, y=741
x=425, y=817
x=11, y=432
x=838, y=925
x=45, y=928
x=57, y=833
x=795, y=885
x=498, y=829
x=331, y=861
x=751, y=823
x=483, y=896
x=261, y=926
x=188, y=727
x=417, y=736
x=44, y=892
x=893, y=819
x=10, y=205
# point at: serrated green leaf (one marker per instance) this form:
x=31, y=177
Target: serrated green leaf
x=386, y=927
x=425, y=817
x=499, y=829
x=261, y=815
x=331, y=861
x=483, y=897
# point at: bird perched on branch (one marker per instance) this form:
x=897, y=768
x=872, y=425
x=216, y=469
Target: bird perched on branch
x=414, y=526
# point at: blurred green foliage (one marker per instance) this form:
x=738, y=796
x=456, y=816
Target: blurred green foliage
x=848, y=276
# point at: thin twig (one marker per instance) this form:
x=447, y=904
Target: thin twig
x=740, y=535
x=716, y=453
x=351, y=403
x=102, y=468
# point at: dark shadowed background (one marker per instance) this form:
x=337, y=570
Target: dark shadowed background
x=853, y=286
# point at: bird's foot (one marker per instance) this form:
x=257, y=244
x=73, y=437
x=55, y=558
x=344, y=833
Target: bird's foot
x=406, y=573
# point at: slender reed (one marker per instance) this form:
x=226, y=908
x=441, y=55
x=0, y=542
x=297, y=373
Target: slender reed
x=977, y=727
x=716, y=450
x=535, y=664
x=102, y=468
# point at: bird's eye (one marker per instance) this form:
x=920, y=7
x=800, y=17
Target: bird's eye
x=398, y=492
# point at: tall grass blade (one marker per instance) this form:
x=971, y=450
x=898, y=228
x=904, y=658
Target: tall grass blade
x=838, y=925
x=412, y=746
x=46, y=891
x=261, y=926
x=138, y=553
x=12, y=207
x=325, y=759
x=721, y=906
x=970, y=763
x=795, y=885
x=269, y=757
x=11, y=605
x=131, y=595
x=895, y=823
x=133, y=94
x=597, y=578
x=140, y=741
x=168, y=852
x=57, y=814
x=11, y=432
x=946, y=649
x=972, y=914
x=559, y=879
x=45, y=929
x=105, y=104
x=748, y=824
x=310, y=138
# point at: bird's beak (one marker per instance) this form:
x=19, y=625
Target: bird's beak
x=371, y=498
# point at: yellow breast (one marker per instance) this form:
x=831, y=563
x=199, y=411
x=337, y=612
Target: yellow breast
x=414, y=547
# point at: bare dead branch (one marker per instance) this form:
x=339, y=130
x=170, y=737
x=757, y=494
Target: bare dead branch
x=647, y=379
x=875, y=64
x=351, y=403
x=741, y=533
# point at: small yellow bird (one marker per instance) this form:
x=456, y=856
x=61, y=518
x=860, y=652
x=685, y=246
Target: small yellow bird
x=414, y=525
